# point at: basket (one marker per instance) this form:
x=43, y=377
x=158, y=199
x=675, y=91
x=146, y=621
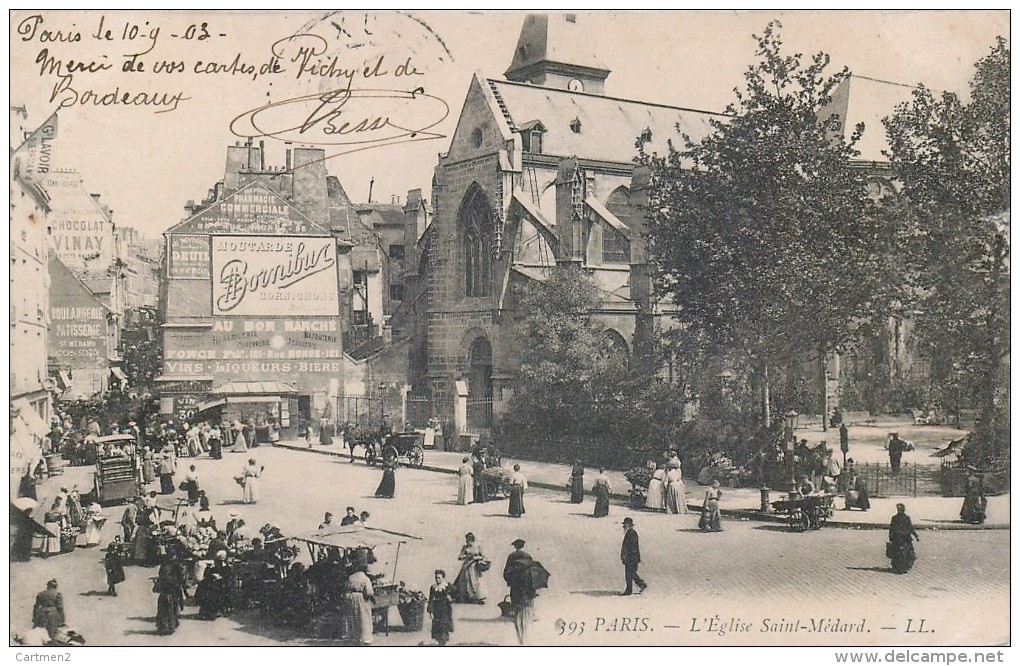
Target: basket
x=412, y=615
x=506, y=608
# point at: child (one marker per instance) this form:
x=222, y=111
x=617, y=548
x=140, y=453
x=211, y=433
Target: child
x=441, y=608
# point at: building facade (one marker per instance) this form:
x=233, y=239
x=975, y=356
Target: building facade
x=539, y=172
x=29, y=281
x=255, y=283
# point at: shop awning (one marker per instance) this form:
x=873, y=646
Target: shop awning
x=253, y=398
x=209, y=404
x=253, y=388
x=354, y=536
x=118, y=373
x=33, y=422
x=184, y=378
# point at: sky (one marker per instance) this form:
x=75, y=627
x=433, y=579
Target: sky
x=147, y=158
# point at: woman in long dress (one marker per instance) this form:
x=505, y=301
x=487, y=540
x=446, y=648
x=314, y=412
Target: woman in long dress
x=518, y=484
x=94, y=524
x=191, y=483
x=148, y=466
x=656, y=497
x=194, y=442
x=215, y=443
x=440, y=607
x=54, y=521
x=676, y=499
x=166, y=475
x=601, y=490
x=464, y=481
x=143, y=546
x=356, y=609
x=711, y=518
x=113, y=564
x=240, y=444
x=468, y=584
x=75, y=512
x=249, y=482
x=171, y=598
x=577, y=483
x=388, y=486
x=901, y=545
x=975, y=503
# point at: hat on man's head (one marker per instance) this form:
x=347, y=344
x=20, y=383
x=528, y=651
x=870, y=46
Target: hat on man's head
x=52, y=582
x=628, y=521
x=517, y=543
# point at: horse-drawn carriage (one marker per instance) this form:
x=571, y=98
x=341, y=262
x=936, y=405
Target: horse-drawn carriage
x=408, y=445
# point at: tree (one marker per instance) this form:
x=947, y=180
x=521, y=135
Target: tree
x=575, y=390
x=763, y=231
x=953, y=160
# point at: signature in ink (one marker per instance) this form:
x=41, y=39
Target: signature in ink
x=348, y=117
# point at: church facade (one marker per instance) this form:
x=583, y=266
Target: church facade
x=540, y=172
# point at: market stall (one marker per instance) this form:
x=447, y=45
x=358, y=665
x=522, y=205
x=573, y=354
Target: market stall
x=343, y=547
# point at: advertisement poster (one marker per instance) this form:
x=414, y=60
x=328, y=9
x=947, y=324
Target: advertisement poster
x=286, y=275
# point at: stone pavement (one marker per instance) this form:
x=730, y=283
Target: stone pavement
x=927, y=512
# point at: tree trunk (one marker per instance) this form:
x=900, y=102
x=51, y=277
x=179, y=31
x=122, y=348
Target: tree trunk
x=766, y=397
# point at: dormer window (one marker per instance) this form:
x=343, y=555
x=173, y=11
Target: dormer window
x=575, y=125
x=531, y=136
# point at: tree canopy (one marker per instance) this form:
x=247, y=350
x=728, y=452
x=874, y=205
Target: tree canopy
x=952, y=158
x=763, y=231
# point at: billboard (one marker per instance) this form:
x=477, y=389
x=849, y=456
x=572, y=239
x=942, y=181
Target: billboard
x=189, y=257
x=274, y=275
x=283, y=349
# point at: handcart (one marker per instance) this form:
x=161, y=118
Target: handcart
x=808, y=512
x=346, y=542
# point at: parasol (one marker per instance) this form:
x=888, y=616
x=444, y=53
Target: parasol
x=25, y=503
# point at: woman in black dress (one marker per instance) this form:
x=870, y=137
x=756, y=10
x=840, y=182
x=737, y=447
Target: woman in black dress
x=440, y=607
x=577, y=483
x=388, y=485
x=171, y=598
x=900, y=548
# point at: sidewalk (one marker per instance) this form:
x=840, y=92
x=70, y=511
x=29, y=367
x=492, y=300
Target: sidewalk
x=927, y=512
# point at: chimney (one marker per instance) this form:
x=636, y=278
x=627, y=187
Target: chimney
x=370, y=184
x=262, y=155
x=288, y=162
x=248, y=145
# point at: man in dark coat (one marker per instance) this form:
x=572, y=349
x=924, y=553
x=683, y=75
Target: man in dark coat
x=350, y=518
x=48, y=611
x=896, y=448
x=520, y=575
x=630, y=555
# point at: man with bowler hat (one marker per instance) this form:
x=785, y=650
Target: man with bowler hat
x=630, y=554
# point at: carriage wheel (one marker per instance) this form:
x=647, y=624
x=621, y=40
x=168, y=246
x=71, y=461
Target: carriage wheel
x=416, y=456
x=370, y=456
x=390, y=454
x=798, y=520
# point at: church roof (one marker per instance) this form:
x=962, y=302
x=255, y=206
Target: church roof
x=609, y=126
x=865, y=100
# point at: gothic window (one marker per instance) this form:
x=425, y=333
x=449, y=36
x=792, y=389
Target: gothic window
x=475, y=227
x=615, y=246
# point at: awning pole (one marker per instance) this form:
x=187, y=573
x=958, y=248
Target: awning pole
x=396, y=559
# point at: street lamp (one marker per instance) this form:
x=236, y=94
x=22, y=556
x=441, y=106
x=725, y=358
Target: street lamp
x=791, y=440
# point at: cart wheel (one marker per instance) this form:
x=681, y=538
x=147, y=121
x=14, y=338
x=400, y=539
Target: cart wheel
x=390, y=454
x=370, y=457
x=798, y=520
x=416, y=456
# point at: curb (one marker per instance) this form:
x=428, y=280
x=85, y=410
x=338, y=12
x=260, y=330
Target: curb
x=742, y=514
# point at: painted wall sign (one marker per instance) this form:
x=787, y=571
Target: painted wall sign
x=253, y=209
x=255, y=275
x=248, y=349
x=82, y=233
x=78, y=326
x=189, y=257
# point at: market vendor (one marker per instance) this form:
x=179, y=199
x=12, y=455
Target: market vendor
x=214, y=594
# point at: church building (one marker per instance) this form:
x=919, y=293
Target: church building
x=540, y=172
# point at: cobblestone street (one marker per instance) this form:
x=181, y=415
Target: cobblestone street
x=751, y=573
